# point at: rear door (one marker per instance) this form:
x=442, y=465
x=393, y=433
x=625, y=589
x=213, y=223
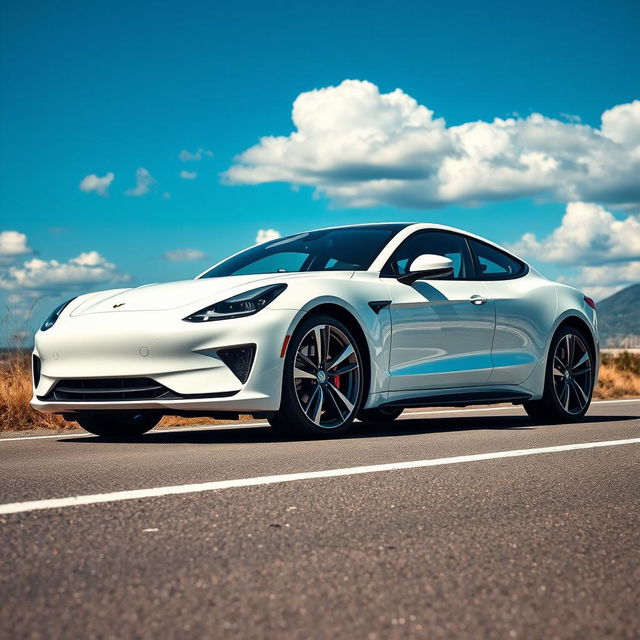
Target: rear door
x=442, y=329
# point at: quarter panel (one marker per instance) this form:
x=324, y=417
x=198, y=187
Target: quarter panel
x=526, y=310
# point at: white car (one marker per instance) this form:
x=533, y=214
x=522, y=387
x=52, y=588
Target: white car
x=318, y=328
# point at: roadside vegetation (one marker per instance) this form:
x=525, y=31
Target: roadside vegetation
x=619, y=378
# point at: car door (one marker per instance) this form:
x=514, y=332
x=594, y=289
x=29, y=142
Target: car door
x=442, y=329
x=524, y=304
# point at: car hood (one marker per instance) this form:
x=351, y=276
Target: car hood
x=174, y=295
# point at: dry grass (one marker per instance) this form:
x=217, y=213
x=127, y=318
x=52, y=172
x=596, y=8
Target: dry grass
x=15, y=394
x=619, y=377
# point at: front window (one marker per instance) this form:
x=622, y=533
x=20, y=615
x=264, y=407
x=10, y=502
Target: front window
x=342, y=249
x=440, y=243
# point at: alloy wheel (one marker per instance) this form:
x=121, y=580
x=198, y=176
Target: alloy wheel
x=572, y=373
x=326, y=376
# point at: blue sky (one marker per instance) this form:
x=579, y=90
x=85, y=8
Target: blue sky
x=90, y=89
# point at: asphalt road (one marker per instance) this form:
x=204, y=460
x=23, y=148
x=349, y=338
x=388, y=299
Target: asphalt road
x=530, y=545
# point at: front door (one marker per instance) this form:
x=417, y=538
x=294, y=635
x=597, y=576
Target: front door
x=442, y=329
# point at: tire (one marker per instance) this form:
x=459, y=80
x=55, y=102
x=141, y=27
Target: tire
x=568, y=385
x=315, y=401
x=379, y=416
x=118, y=424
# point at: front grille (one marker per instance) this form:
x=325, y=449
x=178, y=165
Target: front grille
x=106, y=389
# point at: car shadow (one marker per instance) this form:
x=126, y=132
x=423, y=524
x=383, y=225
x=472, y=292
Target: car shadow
x=245, y=433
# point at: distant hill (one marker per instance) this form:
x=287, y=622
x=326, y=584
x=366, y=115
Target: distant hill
x=619, y=318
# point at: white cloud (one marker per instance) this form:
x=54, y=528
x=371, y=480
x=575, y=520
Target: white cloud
x=196, y=156
x=21, y=306
x=264, y=235
x=144, y=181
x=188, y=175
x=606, y=250
x=51, y=277
x=363, y=148
x=13, y=244
x=588, y=233
x=604, y=280
x=100, y=185
x=184, y=255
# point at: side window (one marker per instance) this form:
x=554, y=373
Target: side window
x=495, y=264
x=440, y=243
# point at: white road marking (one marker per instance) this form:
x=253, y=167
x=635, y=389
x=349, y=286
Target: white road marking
x=404, y=416
x=408, y=414
x=85, y=434
x=201, y=487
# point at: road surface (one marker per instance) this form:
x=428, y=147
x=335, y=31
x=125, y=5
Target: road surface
x=464, y=523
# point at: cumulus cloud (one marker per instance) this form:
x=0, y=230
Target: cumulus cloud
x=604, y=249
x=51, y=277
x=12, y=245
x=604, y=280
x=264, y=235
x=184, y=255
x=362, y=148
x=144, y=181
x=188, y=175
x=588, y=233
x=99, y=185
x=195, y=156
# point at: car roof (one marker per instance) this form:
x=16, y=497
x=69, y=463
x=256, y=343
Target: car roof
x=404, y=230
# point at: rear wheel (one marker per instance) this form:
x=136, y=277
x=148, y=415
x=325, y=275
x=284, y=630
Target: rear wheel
x=568, y=382
x=379, y=415
x=118, y=424
x=322, y=380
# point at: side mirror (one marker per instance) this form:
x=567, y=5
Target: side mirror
x=428, y=266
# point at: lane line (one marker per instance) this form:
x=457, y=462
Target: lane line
x=155, y=492
x=86, y=434
x=404, y=416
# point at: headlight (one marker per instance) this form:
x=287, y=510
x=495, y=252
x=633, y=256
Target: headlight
x=244, y=304
x=55, y=314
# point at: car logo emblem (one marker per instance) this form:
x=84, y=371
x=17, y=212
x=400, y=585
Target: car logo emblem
x=121, y=304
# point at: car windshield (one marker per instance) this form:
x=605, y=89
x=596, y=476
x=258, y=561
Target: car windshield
x=341, y=249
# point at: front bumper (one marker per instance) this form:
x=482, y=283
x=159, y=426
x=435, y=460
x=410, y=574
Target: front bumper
x=179, y=355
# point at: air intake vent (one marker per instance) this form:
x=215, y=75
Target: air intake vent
x=35, y=367
x=110, y=389
x=239, y=359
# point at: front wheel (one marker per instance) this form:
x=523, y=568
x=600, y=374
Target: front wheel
x=118, y=424
x=323, y=380
x=569, y=380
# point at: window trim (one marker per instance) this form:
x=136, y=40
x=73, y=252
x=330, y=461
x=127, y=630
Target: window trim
x=474, y=264
x=524, y=267
x=478, y=275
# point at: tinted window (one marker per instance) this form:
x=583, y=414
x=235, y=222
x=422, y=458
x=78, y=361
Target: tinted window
x=440, y=243
x=344, y=249
x=273, y=263
x=495, y=264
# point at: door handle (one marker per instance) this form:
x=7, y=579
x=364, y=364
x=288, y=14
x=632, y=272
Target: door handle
x=477, y=299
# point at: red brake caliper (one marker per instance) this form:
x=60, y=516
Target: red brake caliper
x=336, y=381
